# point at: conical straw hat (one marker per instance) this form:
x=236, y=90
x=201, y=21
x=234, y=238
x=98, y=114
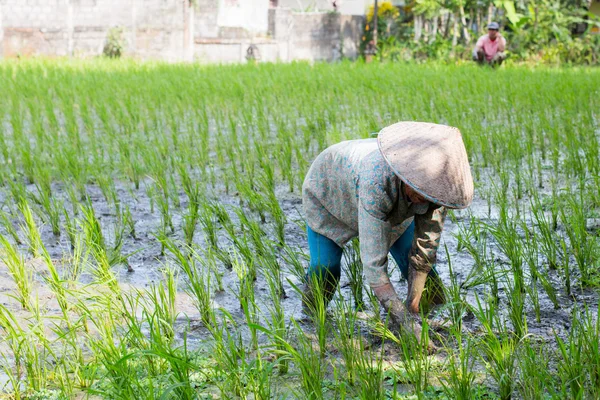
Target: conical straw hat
x=431, y=159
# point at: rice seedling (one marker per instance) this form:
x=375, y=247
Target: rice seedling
x=308, y=360
x=21, y=274
x=161, y=303
x=51, y=207
x=9, y=227
x=347, y=338
x=277, y=323
x=584, y=246
x=34, y=239
x=355, y=273
x=499, y=349
x=457, y=307
x=571, y=371
x=460, y=380
x=590, y=331
x=535, y=379
x=246, y=276
x=199, y=281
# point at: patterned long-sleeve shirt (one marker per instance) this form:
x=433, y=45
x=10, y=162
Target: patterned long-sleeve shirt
x=351, y=191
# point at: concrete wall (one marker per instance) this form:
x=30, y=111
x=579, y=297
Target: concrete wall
x=348, y=7
x=213, y=31
x=317, y=36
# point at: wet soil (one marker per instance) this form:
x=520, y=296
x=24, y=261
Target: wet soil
x=145, y=262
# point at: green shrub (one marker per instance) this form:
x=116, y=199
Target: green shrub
x=114, y=45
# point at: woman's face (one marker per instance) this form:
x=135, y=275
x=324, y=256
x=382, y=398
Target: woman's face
x=413, y=196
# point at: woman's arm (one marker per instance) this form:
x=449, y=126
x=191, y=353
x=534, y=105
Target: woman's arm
x=428, y=230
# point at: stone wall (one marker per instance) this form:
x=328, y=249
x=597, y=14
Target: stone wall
x=346, y=7
x=213, y=31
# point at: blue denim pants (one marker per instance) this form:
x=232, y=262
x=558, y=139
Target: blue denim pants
x=326, y=255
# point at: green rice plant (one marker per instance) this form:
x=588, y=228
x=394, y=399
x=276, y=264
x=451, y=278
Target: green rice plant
x=18, y=191
x=246, y=275
x=251, y=196
x=70, y=228
x=572, y=368
x=485, y=270
x=459, y=383
x=536, y=276
x=584, y=246
x=516, y=311
x=211, y=214
x=94, y=241
x=65, y=328
x=414, y=345
x=294, y=259
x=271, y=269
x=258, y=236
x=190, y=220
x=114, y=355
x=9, y=227
x=566, y=267
x=315, y=299
x=509, y=241
x=30, y=349
x=79, y=259
x=19, y=271
x=208, y=221
x=355, y=273
x=305, y=357
x=163, y=201
x=242, y=375
x=535, y=380
x=199, y=282
x=51, y=207
x=456, y=305
x=277, y=323
x=347, y=338
x=128, y=221
x=545, y=236
x=107, y=185
x=369, y=371
x=161, y=303
x=266, y=185
x=243, y=249
x=590, y=331
x=34, y=239
x=210, y=261
x=499, y=349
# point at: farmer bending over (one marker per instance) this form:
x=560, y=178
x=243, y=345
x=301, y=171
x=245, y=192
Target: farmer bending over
x=490, y=48
x=391, y=193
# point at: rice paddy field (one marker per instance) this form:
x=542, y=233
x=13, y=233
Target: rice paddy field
x=153, y=245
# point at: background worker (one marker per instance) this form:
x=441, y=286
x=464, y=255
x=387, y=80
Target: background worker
x=490, y=48
x=392, y=193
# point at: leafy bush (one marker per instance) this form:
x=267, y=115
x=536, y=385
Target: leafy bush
x=114, y=43
x=541, y=32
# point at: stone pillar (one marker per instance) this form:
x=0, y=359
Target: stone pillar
x=188, y=31
x=69, y=28
x=133, y=29
x=1, y=34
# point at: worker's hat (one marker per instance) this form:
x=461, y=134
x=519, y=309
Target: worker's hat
x=494, y=26
x=431, y=159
